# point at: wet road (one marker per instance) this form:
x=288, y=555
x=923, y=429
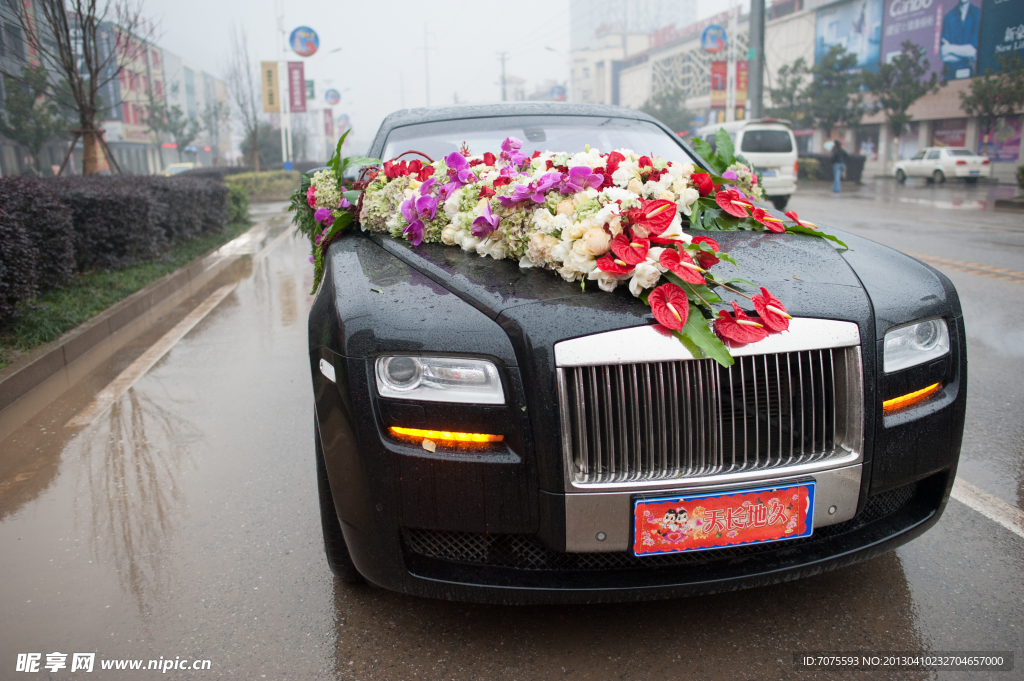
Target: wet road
x=183, y=522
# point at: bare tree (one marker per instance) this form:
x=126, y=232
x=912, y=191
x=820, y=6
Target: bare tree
x=243, y=93
x=84, y=42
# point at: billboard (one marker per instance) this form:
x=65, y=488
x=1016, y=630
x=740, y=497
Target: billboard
x=1003, y=143
x=713, y=39
x=296, y=87
x=946, y=29
x=268, y=79
x=856, y=25
x=1002, y=32
x=719, y=82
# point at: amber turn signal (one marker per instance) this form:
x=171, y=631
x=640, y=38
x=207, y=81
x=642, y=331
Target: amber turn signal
x=903, y=401
x=446, y=436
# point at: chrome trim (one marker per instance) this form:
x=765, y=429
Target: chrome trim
x=327, y=369
x=611, y=513
x=651, y=344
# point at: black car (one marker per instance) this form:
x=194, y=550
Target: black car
x=588, y=411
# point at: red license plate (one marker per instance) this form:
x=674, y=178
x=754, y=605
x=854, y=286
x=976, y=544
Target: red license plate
x=698, y=522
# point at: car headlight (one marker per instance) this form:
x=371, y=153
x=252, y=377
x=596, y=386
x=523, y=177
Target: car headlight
x=915, y=344
x=439, y=379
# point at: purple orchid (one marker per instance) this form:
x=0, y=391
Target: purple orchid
x=344, y=203
x=534, y=191
x=730, y=175
x=324, y=216
x=414, y=232
x=510, y=151
x=486, y=223
x=408, y=209
x=579, y=178
x=458, y=168
x=520, y=193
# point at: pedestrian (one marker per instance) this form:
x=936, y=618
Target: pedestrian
x=839, y=157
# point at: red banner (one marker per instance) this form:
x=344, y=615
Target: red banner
x=710, y=521
x=329, y=122
x=719, y=82
x=296, y=87
x=741, y=83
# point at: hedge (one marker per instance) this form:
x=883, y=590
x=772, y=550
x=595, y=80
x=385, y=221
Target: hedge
x=854, y=166
x=272, y=185
x=51, y=228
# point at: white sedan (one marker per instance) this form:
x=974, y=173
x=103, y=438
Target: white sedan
x=938, y=163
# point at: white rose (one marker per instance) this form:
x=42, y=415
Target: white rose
x=606, y=281
x=688, y=169
x=688, y=197
x=635, y=186
x=448, y=235
x=595, y=242
x=451, y=205
x=619, y=194
x=645, y=276
x=540, y=247
x=569, y=274
x=561, y=251
x=574, y=231
x=667, y=196
x=566, y=207
x=469, y=243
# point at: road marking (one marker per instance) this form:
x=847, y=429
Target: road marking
x=127, y=378
x=991, y=507
x=971, y=267
x=273, y=244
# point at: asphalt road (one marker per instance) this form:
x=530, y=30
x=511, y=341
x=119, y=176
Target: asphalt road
x=183, y=522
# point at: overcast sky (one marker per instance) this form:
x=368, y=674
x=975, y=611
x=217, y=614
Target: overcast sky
x=380, y=67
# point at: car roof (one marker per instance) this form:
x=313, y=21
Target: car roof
x=431, y=114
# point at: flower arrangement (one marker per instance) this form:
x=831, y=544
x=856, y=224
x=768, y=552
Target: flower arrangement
x=612, y=218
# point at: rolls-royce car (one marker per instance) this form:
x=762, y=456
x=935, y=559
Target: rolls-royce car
x=490, y=433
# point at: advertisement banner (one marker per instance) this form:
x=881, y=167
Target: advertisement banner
x=329, y=123
x=946, y=29
x=304, y=41
x=296, y=87
x=741, y=83
x=949, y=133
x=713, y=39
x=856, y=25
x=1003, y=143
x=1002, y=32
x=719, y=80
x=268, y=80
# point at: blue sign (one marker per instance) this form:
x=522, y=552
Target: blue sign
x=1002, y=32
x=558, y=93
x=713, y=39
x=304, y=41
x=332, y=96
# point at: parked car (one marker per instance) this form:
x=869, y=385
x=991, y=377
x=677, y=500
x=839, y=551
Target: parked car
x=937, y=163
x=558, y=414
x=178, y=168
x=768, y=144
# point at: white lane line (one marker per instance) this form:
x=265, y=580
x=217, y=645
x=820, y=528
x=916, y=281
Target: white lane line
x=273, y=244
x=991, y=507
x=127, y=378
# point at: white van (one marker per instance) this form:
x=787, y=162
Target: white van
x=768, y=144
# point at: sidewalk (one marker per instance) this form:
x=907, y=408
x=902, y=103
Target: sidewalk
x=954, y=195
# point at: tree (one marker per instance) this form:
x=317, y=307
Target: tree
x=243, y=93
x=900, y=83
x=789, y=97
x=85, y=42
x=669, y=107
x=995, y=94
x=32, y=115
x=833, y=97
x=212, y=118
x=267, y=146
x=182, y=129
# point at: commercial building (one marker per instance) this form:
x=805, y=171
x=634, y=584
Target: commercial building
x=961, y=38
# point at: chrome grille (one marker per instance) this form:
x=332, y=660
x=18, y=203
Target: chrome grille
x=695, y=418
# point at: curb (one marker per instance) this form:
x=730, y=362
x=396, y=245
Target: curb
x=1015, y=204
x=35, y=379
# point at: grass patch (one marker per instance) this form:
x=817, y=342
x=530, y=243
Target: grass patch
x=269, y=185
x=52, y=313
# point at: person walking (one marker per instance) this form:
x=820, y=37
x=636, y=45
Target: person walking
x=839, y=157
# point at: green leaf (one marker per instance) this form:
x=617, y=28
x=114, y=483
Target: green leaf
x=725, y=151
x=353, y=196
x=703, y=149
x=797, y=229
x=699, y=332
x=357, y=162
x=695, y=292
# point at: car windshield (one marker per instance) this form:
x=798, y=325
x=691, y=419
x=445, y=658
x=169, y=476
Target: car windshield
x=538, y=133
x=959, y=152
x=767, y=141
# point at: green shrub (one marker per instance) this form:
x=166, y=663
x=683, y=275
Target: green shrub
x=1020, y=177
x=238, y=204
x=272, y=185
x=809, y=168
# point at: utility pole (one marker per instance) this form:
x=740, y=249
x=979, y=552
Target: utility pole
x=426, y=63
x=502, y=56
x=755, y=72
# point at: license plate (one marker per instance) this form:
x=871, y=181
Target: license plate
x=768, y=173
x=698, y=522
x=975, y=172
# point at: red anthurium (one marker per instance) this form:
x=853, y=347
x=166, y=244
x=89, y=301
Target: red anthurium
x=682, y=264
x=606, y=263
x=501, y=181
x=771, y=311
x=489, y=158
x=730, y=201
x=536, y=154
x=704, y=259
x=703, y=183
x=486, y=192
x=793, y=216
x=670, y=306
x=630, y=251
x=770, y=223
x=665, y=240
x=654, y=216
x=740, y=329
x=614, y=159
